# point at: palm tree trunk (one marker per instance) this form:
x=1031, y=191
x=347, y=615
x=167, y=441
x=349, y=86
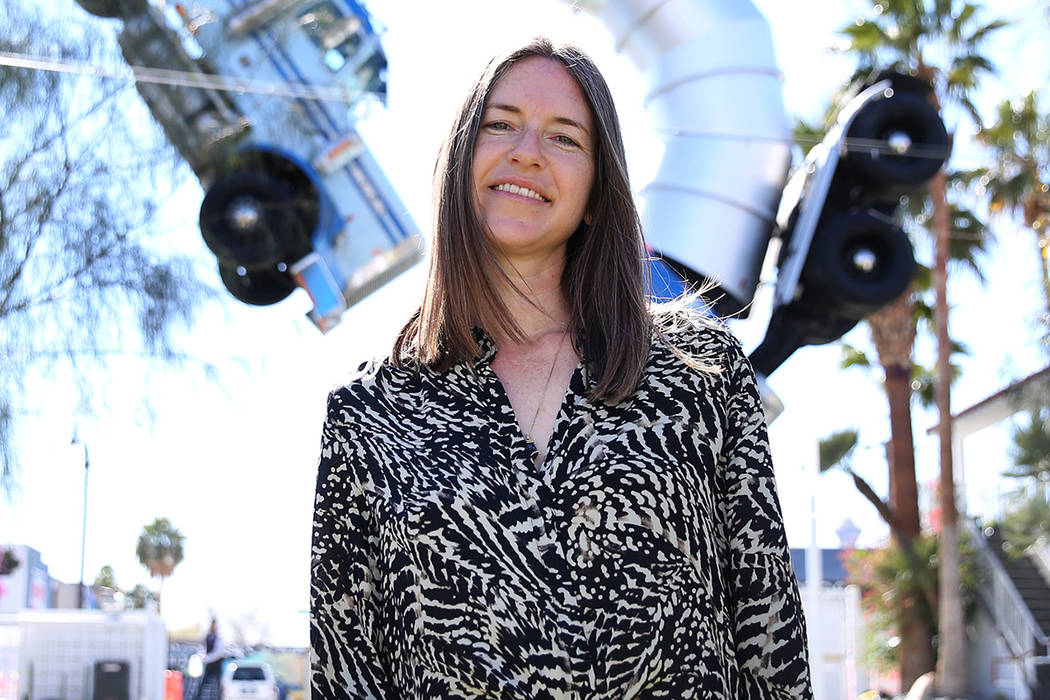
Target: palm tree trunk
x=1044, y=270
x=951, y=664
x=904, y=489
x=893, y=333
x=1033, y=210
x=916, y=638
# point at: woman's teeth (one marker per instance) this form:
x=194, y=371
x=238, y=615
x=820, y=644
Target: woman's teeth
x=523, y=191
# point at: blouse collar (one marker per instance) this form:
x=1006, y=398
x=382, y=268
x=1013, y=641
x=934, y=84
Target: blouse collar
x=488, y=348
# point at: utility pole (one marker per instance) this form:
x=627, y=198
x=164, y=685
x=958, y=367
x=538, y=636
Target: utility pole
x=83, y=527
x=814, y=581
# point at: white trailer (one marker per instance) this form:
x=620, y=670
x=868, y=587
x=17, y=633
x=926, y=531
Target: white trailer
x=48, y=654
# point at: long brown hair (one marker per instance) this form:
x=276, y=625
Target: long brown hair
x=605, y=274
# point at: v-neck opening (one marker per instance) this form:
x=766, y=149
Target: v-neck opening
x=568, y=399
x=506, y=410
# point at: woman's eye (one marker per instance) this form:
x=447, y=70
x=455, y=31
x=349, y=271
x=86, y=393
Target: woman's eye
x=565, y=140
x=498, y=126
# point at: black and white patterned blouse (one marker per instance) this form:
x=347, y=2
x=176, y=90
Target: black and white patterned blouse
x=646, y=558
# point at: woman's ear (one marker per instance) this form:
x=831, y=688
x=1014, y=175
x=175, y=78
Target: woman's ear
x=588, y=219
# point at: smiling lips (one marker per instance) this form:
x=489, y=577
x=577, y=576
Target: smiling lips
x=521, y=191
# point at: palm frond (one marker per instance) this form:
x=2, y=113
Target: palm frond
x=922, y=381
x=837, y=449
x=923, y=312
x=956, y=29
x=982, y=33
x=1031, y=444
x=962, y=77
x=866, y=37
x=853, y=357
x=806, y=135
x=916, y=206
x=966, y=178
x=923, y=279
x=968, y=240
x=968, y=105
x=940, y=15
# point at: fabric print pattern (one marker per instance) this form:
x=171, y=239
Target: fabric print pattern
x=646, y=557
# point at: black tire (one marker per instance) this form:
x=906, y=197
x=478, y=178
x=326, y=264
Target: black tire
x=302, y=193
x=253, y=244
x=112, y=8
x=832, y=271
x=257, y=287
x=904, y=112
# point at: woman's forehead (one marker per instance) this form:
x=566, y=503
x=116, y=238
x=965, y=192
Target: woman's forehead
x=538, y=82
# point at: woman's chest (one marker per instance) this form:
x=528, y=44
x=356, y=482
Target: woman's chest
x=647, y=471
x=573, y=558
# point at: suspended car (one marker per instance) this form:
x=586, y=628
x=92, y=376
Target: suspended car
x=842, y=255
x=260, y=98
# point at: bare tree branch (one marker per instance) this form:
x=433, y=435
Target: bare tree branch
x=81, y=279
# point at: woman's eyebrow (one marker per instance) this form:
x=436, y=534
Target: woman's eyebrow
x=560, y=120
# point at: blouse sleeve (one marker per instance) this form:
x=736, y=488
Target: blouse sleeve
x=769, y=625
x=343, y=610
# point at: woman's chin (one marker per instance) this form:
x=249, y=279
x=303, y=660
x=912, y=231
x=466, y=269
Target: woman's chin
x=528, y=243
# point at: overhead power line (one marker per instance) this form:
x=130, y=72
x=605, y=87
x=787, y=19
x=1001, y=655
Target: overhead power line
x=189, y=79
x=305, y=91
x=851, y=144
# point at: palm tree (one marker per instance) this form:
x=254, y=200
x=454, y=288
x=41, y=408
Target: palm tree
x=1030, y=451
x=939, y=41
x=905, y=577
x=159, y=549
x=1017, y=183
x=893, y=331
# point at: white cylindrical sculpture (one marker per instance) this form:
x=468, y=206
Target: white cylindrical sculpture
x=715, y=92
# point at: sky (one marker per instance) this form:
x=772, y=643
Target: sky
x=231, y=461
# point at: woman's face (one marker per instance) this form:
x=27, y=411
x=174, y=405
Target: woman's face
x=534, y=159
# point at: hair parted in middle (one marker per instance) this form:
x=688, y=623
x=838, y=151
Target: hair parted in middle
x=605, y=274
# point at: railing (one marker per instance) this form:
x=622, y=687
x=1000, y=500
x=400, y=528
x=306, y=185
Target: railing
x=1012, y=617
x=1040, y=553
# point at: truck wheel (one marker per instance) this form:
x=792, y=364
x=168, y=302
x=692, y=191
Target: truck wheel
x=861, y=260
x=907, y=122
x=248, y=220
x=301, y=190
x=112, y=8
x=256, y=287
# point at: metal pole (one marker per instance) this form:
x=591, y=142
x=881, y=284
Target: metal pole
x=83, y=532
x=814, y=583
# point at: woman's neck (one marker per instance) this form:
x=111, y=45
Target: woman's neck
x=535, y=299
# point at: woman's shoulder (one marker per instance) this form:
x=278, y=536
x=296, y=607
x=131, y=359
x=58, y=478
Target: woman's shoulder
x=691, y=331
x=377, y=382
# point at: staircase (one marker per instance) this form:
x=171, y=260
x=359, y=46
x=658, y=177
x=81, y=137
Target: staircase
x=1016, y=591
x=1026, y=577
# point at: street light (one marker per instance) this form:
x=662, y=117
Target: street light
x=83, y=527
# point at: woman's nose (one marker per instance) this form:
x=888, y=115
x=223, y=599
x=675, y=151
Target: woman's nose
x=527, y=150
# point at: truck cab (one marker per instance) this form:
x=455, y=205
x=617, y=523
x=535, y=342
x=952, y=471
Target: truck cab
x=261, y=102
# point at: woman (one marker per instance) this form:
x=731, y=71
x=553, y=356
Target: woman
x=547, y=490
